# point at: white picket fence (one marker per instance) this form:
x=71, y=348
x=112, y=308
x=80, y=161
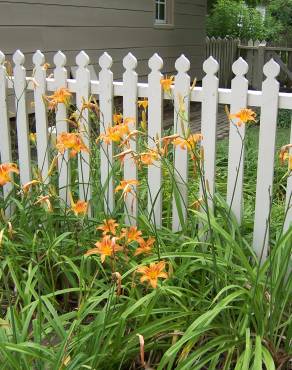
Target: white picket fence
x=209, y=95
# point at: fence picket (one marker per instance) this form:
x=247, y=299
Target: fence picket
x=106, y=108
x=41, y=116
x=210, y=86
x=181, y=126
x=155, y=113
x=20, y=86
x=239, y=90
x=265, y=170
x=82, y=95
x=60, y=76
x=5, y=147
x=130, y=79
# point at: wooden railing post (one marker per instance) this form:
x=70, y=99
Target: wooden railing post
x=260, y=65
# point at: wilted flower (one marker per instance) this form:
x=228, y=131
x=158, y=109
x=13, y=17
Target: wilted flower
x=285, y=155
x=45, y=199
x=28, y=185
x=143, y=104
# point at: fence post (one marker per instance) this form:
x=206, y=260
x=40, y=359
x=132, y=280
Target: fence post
x=41, y=117
x=106, y=150
x=60, y=76
x=260, y=64
x=239, y=90
x=181, y=121
x=266, y=153
x=130, y=110
x=20, y=86
x=209, y=124
x=82, y=95
x=155, y=113
x=5, y=147
x=250, y=62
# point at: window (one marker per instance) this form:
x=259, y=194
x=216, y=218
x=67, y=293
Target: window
x=160, y=11
x=163, y=12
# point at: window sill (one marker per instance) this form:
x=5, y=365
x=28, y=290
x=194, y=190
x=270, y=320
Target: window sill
x=164, y=26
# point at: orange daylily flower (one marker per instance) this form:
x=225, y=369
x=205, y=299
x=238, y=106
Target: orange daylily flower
x=45, y=199
x=117, y=118
x=189, y=143
x=70, y=141
x=28, y=185
x=79, y=208
x=166, y=83
x=107, y=247
x=149, y=157
x=108, y=227
x=243, y=116
x=285, y=155
x=131, y=234
x=145, y=246
x=5, y=170
x=61, y=95
x=143, y=103
x=152, y=272
x=127, y=186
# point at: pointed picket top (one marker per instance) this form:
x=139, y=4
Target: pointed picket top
x=250, y=42
x=240, y=67
x=257, y=43
x=18, y=58
x=60, y=59
x=211, y=66
x=213, y=38
x=38, y=58
x=155, y=63
x=105, y=61
x=271, y=69
x=130, y=62
x=182, y=64
x=2, y=58
x=82, y=59
x=207, y=38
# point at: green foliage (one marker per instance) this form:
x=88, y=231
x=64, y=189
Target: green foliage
x=233, y=19
x=281, y=12
x=219, y=309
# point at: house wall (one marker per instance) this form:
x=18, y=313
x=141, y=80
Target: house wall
x=115, y=26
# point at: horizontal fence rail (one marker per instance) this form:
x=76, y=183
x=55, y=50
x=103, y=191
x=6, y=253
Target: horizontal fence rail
x=269, y=100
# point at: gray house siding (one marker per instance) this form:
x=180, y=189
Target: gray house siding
x=115, y=26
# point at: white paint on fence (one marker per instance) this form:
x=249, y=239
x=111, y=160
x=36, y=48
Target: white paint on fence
x=41, y=116
x=60, y=79
x=181, y=96
x=106, y=119
x=82, y=96
x=155, y=116
x=239, y=88
x=21, y=118
x=269, y=99
x=5, y=147
x=209, y=126
x=130, y=79
x=265, y=170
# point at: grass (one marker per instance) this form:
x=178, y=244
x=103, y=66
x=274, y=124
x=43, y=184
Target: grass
x=219, y=308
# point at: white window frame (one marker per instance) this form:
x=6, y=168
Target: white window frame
x=167, y=22
x=157, y=18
